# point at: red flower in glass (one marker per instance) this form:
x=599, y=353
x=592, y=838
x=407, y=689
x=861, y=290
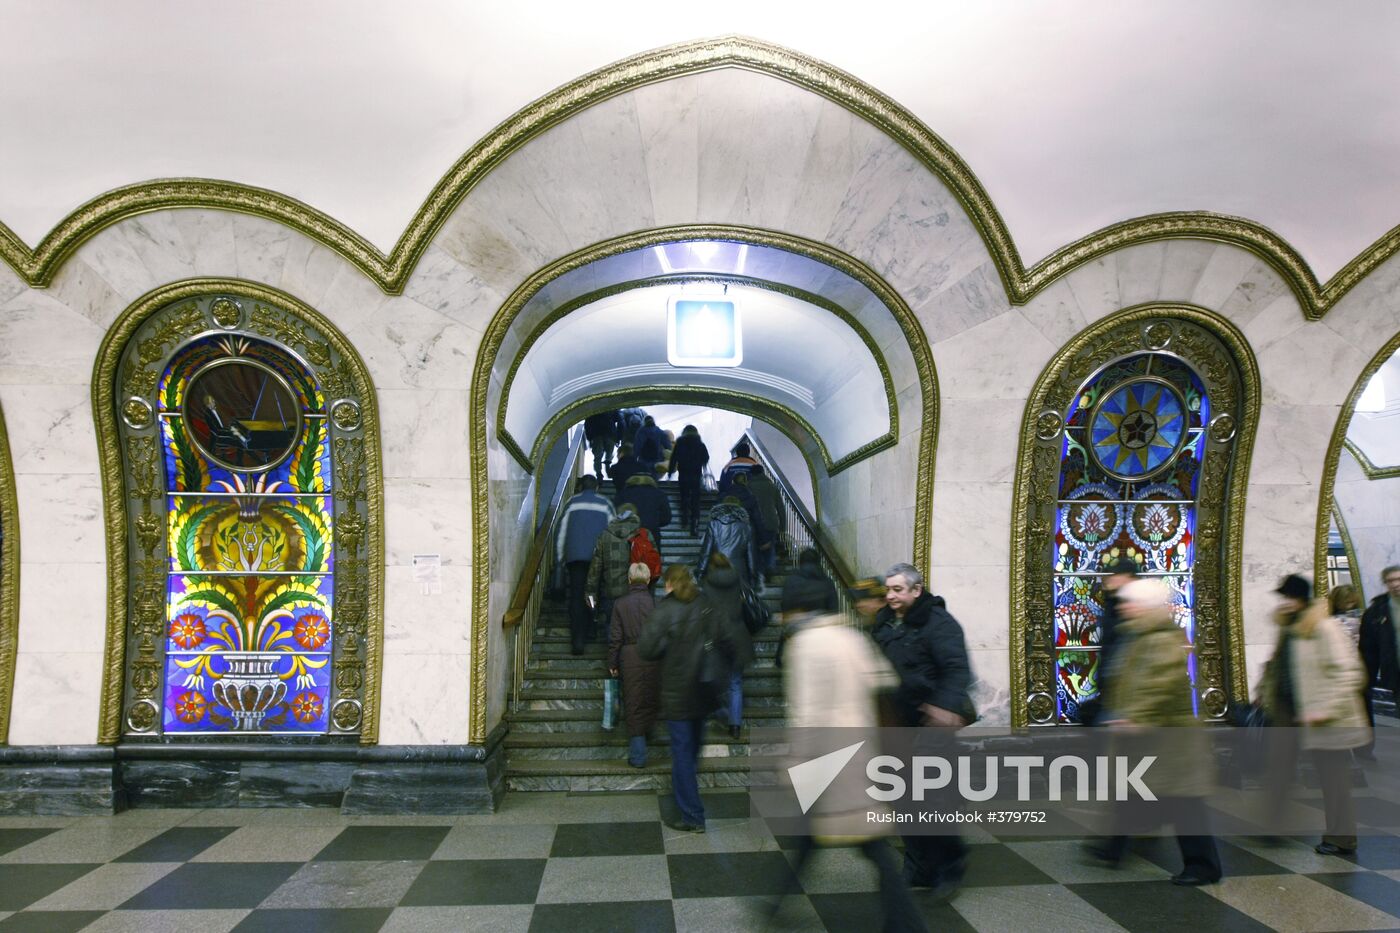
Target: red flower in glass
x=187, y=630
x=190, y=707
x=306, y=707
x=312, y=631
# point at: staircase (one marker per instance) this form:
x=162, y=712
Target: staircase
x=556, y=740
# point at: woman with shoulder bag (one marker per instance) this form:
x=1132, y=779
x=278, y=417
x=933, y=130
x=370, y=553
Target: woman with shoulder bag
x=685, y=634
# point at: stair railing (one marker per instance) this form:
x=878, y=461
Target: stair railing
x=523, y=614
x=801, y=530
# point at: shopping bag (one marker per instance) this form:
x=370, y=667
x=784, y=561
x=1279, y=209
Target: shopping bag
x=610, y=701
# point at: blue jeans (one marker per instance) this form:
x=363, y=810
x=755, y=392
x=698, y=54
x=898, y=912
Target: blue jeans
x=685, y=751
x=736, y=699
x=637, y=750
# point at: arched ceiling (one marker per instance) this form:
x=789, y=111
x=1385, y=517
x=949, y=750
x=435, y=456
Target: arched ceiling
x=1281, y=111
x=1374, y=431
x=795, y=354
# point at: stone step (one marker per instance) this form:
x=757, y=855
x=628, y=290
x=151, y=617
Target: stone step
x=558, y=638
x=610, y=746
x=593, y=680
x=589, y=720
x=591, y=667
x=530, y=775
x=759, y=692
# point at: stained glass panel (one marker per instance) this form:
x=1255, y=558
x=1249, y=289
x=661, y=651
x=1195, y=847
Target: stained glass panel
x=251, y=589
x=1149, y=518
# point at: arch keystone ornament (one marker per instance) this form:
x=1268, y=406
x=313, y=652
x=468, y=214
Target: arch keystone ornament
x=245, y=561
x=1149, y=461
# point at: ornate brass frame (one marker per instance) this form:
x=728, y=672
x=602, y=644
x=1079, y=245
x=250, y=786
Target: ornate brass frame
x=1350, y=547
x=9, y=581
x=1327, y=492
x=391, y=272
x=767, y=411
x=343, y=375
x=1221, y=354
x=500, y=325
x=1370, y=469
x=876, y=445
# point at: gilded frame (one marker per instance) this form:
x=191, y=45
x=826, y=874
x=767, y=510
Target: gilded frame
x=391, y=272
x=1327, y=493
x=129, y=474
x=868, y=449
x=9, y=581
x=1221, y=355
x=504, y=318
x=1370, y=469
x=1350, y=547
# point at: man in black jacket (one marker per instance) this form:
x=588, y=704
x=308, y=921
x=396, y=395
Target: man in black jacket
x=925, y=644
x=624, y=468
x=689, y=458
x=603, y=431
x=1378, y=641
x=652, y=504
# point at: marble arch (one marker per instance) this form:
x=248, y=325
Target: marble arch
x=340, y=369
x=391, y=272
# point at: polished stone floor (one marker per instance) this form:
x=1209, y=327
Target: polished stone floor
x=583, y=862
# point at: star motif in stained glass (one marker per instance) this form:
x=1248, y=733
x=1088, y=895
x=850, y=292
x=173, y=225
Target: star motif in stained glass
x=1138, y=428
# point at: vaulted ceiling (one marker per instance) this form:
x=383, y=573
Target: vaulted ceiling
x=1073, y=116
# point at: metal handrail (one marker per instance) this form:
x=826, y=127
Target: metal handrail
x=523, y=614
x=802, y=530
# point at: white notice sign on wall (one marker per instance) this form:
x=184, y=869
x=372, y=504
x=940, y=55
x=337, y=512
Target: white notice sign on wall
x=427, y=573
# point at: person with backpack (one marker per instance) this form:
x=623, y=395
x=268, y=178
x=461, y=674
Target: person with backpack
x=726, y=596
x=652, y=505
x=741, y=462
x=685, y=634
x=607, y=571
x=649, y=445
x=624, y=467
x=585, y=518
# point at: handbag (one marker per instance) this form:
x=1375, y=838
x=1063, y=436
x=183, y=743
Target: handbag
x=755, y=611
x=610, y=691
x=712, y=676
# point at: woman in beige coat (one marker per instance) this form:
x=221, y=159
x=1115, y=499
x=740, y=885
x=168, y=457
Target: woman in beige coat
x=1312, y=686
x=832, y=673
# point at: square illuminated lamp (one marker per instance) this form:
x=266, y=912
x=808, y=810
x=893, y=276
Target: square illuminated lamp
x=703, y=331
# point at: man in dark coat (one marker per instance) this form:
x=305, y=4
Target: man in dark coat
x=689, y=459
x=729, y=533
x=585, y=517
x=925, y=644
x=808, y=587
x=1378, y=640
x=653, y=506
x=649, y=444
x=603, y=431
x=607, y=571
x=770, y=508
x=625, y=467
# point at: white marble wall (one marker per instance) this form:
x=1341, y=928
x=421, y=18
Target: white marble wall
x=724, y=147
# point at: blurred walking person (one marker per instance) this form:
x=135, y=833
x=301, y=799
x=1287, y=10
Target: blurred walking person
x=641, y=679
x=769, y=499
x=1311, y=688
x=603, y=431
x=608, y=569
x=1149, y=687
x=741, y=462
x=725, y=593
x=728, y=532
x=1377, y=641
x=682, y=630
x=832, y=676
x=649, y=445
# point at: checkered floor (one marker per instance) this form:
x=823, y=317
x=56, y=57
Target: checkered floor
x=582, y=862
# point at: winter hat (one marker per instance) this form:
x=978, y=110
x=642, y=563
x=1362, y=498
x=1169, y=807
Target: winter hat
x=1295, y=587
x=869, y=588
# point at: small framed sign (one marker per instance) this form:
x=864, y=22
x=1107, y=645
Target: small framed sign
x=703, y=331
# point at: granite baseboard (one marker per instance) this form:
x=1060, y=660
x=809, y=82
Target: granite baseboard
x=84, y=780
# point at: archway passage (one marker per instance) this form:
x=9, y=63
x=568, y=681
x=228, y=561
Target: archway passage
x=865, y=412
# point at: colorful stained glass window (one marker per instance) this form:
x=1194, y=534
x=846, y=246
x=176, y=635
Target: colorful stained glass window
x=1133, y=445
x=250, y=585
